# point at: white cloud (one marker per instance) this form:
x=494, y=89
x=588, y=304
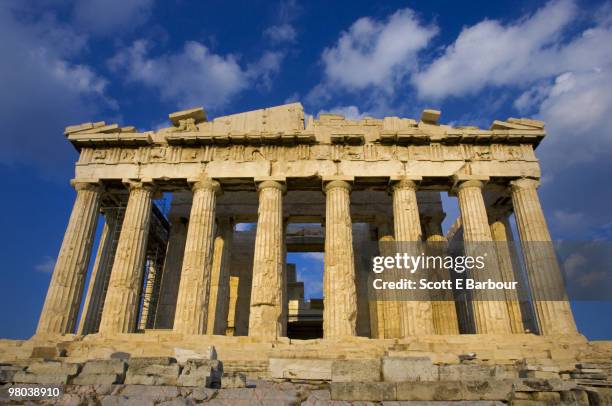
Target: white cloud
x=280, y=33
x=577, y=108
x=110, y=16
x=262, y=71
x=193, y=75
x=349, y=112
x=490, y=53
x=42, y=89
x=374, y=53
x=46, y=265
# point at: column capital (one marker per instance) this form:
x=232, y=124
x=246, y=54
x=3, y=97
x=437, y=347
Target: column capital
x=274, y=183
x=342, y=184
x=204, y=183
x=524, y=183
x=144, y=183
x=82, y=184
x=462, y=184
x=333, y=182
x=461, y=181
x=411, y=183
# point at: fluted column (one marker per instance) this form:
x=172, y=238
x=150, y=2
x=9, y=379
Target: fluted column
x=123, y=296
x=339, y=288
x=490, y=315
x=548, y=291
x=266, y=312
x=192, y=302
x=502, y=235
x=444, y=311
x=61, y=306
x=100, y=274
x=219, y=285
x=390, y=325
x=171, y=276
x=415, y=315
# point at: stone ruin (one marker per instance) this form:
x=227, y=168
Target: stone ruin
x=172, y=289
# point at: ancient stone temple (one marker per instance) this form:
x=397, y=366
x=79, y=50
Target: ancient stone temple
x=248, y=188
x=358, y=180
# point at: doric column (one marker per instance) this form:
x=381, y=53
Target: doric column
x=266, y=313
x=363, y=269
x=548, y=291
x=444, y=311
x=389, y=307
x=502, y=235
x=100, y=274
x=61, y=306
x=219, y=283
x=192, y=302
x=339, y=289
x=171, y=277
x=415, y=315
x=123, y=296
x=241, y=277
x=490, y=315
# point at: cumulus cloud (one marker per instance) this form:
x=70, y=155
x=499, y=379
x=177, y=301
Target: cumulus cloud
x=109, y=16
x=373, y=53
x=43, y=90
x=194, y=75
x=491, y=53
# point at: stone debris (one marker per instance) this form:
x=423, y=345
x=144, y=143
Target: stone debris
x=430, y=116
x=8, y=371
x=201, y=373
x=152, y=371
x=233, y=380
x=101, y=372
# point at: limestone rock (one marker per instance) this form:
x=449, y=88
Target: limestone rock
x=288, y=368
x=416, y=369
x=201, y=373
x=368, y=370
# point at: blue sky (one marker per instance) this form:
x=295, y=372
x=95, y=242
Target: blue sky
x=134, y=61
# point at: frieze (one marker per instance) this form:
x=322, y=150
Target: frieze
x=435, y=152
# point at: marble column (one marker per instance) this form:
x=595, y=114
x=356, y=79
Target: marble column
x=444, y=311
x=339, y=288
x=218, y=304
x=100, y=274
x=120, y=312
x=192, y=301
x=490, y=313
x=363, y=269
x=502, y=235
x=63, y=299
x=553, y=311
x=415, y=315
x=389, y=306
x=171, y=277
x=148, y=308
x=267, y=292
x=241, y=277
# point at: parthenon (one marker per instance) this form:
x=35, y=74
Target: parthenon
x=194, y=272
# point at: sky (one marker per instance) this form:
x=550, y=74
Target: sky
x=134, y=61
